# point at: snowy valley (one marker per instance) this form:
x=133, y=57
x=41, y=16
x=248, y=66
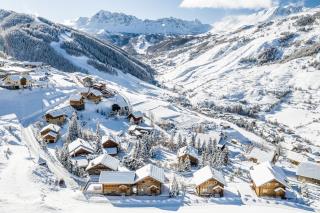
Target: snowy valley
x=197, y=120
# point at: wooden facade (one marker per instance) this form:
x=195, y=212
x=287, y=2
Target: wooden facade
x=80, y=151
x=97, y=169
x=117, y=189
x=94, y=98
x=270, y=189
x=210, y=188
x=58, y=120
x=110, y=144
x=149, y=187
x=135, y=120
x=78, y=105
x=49, y=138
x=194, y=161
x=309, y=180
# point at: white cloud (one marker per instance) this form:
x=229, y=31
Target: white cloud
x=229, y=4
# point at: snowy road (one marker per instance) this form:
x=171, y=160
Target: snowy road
x=54, y=166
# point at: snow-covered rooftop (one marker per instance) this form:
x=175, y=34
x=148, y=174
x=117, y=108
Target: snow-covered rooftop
x=207, y=173
x=107, y=137
x=111, y=151
x=150, y=171
x=15, y=69
x=79, y=143
x=106, y=160
x=137, y=114
x=265, y=172
x=52, y=127
x=296, y=156
x=114, y=177
x=188, y=150
x=261, y=155
x=309, y=170
x=52, y=134
x=75, y=97
x=96, y=92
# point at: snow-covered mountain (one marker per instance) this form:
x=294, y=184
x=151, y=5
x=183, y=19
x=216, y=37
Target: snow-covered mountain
x=234, y=22
x=105, y=21
x=270, y=69
x=29, y=38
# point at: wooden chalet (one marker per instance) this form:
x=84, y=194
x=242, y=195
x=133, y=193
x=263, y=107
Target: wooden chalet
x=111, y=144
x=77, y=102
x=188, y=151
x=99, y=86
x=149, y=180
x=92, y=95
x=79, y=147
x=117, y=183
x=136, y=117
x=258, y=155
x=309, y=172
x=104, y=162
x=55, y=117
x=268, y=181
x=209, y=182
x=50, y=133
x=50, y=127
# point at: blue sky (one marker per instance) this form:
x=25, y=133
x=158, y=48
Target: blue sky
x=207, y=11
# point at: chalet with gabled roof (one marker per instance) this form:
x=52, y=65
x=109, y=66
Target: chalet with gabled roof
x=188, y=151
x=111, y=144
x=80, y=147
x=92, y=95
x=149, y=180
x=268, y=180
x=136, y=117
x=209, y=182
x=77, y=101
x=117, y=183
x=103, y=162
x=57, y=117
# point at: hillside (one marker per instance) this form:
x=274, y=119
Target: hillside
x=29, y=38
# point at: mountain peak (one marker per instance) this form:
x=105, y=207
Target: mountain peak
x=121, y=23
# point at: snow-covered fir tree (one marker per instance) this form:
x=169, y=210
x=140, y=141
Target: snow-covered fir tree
x=74, y=129
x=98, y=145
x=174, y=187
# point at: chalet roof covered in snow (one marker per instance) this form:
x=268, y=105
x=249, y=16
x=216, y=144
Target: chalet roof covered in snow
x=75, y=97
x=309, y=170
x=52, y=134
x=188, y=150
x=95, y=92
x=137, y=114
x=52, y=127
x=150, y=171
x=115, y=177
x=56, y=113
x=111, y=151
x=261, y=155
x=265, y=172
x=78, y=144
x=296, y=156
x=105, y=138
x=207, y=173
x=106, y=160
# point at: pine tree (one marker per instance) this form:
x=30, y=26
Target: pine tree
x=73, y=128
x=193, y=140
x=187, y=164
x=174, y=188
x=184, y=142
x=179, y=142
x=98, y=148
